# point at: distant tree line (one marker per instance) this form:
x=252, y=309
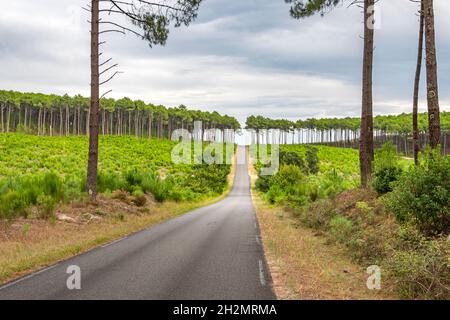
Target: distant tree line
x=43, y=114
x=345, y=132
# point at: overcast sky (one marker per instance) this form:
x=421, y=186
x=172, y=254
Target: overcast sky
x=240, y=57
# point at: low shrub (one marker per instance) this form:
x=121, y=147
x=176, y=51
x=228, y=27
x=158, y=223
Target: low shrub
x=133, y=178
x=207, y=179
x=287, y=177
x=423, y=272
x=312, y=160
x=291, y=158
x=370, y=244
x=160, y=189
x=331, y=184
x=12, y=205
x=387, y=168
x=341, y=228
x=262, y=183
x=422, y=195
x=46, y=206
x=275, y=194
x=384, y=178
x=52, y=185
x=109, y=182
x=18, y=195
x=139, y=198
x=318, y=214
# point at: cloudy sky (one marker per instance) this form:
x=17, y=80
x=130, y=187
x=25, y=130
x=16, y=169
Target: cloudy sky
x=240, y=57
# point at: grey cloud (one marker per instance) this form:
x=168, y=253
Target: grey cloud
x=239, y=57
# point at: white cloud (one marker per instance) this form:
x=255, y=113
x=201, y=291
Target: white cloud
x=240, y=57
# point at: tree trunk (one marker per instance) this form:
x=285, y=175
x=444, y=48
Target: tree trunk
x=60, y=121
x=25, y=117
x=366, y=139
x=416, y=146
x=93, y=121
x=1, y=118
x=8, y=117
x=150, y=125
x=44, y=131
x=434, y=126
x=74, y=123
x=79, y=120
x=88, y=121
x=39, y=121
x=51, y=122
x=103, y=121
x=67, y=120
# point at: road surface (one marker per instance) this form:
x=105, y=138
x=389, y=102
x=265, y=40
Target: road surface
x=213, y=252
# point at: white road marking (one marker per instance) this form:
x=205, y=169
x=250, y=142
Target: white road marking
x=257, y=240
x=113, y=242
x=27, y=277
x=262, y=279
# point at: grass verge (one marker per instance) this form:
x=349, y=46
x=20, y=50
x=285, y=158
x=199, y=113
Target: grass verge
x=305, y=265
x=27, y=247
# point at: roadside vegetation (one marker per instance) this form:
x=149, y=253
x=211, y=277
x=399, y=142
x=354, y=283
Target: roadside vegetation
x=46, y=213
x=39, y=173
x=401, y=223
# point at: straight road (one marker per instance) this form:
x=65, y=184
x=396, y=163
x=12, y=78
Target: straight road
x=213, y=252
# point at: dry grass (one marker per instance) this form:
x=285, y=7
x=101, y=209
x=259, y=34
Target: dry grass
x=46, y=242
x=304, y=265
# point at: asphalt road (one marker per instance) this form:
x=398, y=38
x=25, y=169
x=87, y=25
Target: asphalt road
x=213, y=252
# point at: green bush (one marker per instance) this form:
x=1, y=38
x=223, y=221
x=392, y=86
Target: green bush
x=387, y=169
x=73, y=190
x=386, y=156
x=331, y=184
x=287, y=184
x=341, y=228
x=183, y=194
x=109, y=181
x=160, y=189
x=52, y=185
x=133, y=178
x=46, y=205
x=312, y=160
x=422, y=195
x=262, y=183
x=207, y=179
x=275, y=194
x=12, y=205
x=292, y=158
x=384, y=178
x=18, y=195
x=313, y=191
x=287, y=177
